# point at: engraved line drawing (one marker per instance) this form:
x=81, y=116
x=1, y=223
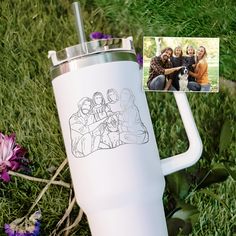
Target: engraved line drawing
x=99, y=125
x=132, y=129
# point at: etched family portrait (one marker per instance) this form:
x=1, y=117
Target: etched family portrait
x=105, y=122
x=181, y=64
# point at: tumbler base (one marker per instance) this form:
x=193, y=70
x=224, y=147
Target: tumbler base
x=132, y=220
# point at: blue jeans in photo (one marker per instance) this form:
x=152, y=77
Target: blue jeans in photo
x=158, y=83
x=193, y=86
x=205, y=88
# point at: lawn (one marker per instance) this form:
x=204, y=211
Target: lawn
x=30, y=28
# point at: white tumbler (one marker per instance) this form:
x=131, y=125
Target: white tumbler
x=117, y=174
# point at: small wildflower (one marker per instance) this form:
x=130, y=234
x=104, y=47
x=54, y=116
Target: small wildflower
x=96, y=35
x=139, y=59
x=11, y=156
x=24, y=226
x=99, y=35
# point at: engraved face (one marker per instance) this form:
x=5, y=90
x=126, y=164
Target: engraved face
x=86, y=107
x=98, y=98
x=113, y=96
x=125, y=98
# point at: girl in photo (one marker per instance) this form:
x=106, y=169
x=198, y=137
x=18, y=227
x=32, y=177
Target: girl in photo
x=177, y=61
x=200, y=71
x=190, y=62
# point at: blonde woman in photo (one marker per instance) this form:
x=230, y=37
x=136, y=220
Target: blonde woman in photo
x=201, y=71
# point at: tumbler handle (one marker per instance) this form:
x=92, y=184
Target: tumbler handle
x=192, y=155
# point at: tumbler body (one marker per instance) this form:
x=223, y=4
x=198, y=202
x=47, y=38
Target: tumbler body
x=110, y=142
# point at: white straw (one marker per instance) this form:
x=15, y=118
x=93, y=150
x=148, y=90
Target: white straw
x=79, y=23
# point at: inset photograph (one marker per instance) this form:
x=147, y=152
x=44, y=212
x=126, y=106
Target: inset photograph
x=181, y=64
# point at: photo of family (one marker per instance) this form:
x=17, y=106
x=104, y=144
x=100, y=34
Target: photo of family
x=181, y=64
x=100, y=124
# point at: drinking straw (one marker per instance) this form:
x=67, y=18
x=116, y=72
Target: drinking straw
x=79, y=24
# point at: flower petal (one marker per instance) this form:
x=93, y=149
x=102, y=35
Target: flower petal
x=12, y=156
x=15, y=165
x=7, y=145
x=18, y=151
x=5, y=176
x=8, y=230
x=37, y=229
x=96, y=35
x=139, y=59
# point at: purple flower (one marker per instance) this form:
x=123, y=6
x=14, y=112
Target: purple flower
x=99, y=35
x=96, y=35
x=139, y=59
x=11, y=156
x=24, y=226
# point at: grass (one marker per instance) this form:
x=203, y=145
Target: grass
x=208, y=207
x=29, y=28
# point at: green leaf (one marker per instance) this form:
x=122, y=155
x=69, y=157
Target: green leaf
x=218, y=173
x=225, y=136
x=178, y=185
x=231, y=172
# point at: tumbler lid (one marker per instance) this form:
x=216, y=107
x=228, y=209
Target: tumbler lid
x=90, y=48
